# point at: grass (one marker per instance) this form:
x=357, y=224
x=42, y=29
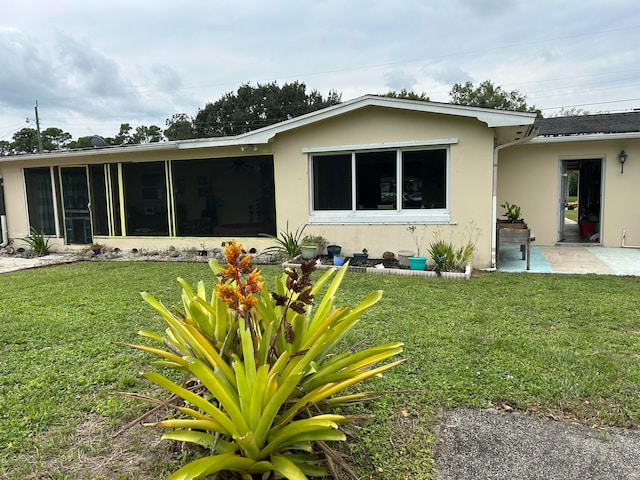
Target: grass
x=560, y=345
x=572, y=214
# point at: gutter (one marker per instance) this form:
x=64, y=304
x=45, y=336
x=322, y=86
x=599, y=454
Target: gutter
x=3, y=217
x=532, y=133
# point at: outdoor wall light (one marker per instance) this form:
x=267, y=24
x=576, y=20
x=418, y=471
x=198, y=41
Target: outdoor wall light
x=622, y=156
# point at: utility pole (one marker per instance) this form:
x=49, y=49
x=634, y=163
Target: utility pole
x=38, y=129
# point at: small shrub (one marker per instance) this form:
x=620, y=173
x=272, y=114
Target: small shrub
x=317, y=240
x=38, y=242
x=263, y=370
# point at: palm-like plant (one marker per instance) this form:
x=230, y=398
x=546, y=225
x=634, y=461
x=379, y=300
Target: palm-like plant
x=265, y=369
x=287, y=242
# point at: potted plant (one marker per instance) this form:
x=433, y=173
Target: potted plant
x=333, y=250
x=513, y=217
x=312, y=246
x=361, y=258
x=338, y=260
x=417, y=262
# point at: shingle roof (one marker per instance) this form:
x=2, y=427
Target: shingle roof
x=628, y=122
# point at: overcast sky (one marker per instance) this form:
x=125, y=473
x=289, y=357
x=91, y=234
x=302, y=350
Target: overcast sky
x=94, y=65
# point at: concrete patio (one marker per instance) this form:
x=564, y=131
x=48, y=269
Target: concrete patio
x=572, y=259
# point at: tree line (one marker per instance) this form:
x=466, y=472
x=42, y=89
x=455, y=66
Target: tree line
x=249, y=108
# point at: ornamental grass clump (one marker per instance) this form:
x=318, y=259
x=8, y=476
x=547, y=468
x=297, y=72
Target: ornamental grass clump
x=448, y=257
x=264, y=370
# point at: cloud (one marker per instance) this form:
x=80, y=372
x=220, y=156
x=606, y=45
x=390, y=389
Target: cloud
x=397, y=80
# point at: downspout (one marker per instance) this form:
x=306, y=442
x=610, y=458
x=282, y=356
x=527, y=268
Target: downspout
x=532, y=133
x=3, y=217
x=624, y=236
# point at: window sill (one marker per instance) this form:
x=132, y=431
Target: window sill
x=390, y=217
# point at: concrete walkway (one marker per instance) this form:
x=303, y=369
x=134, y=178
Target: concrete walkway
x=11, y=263
x=572, y=259
x=559, y=259
x=474, y=444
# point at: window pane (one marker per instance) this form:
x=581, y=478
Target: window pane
x=424, y=179
x=40, y=199
x=145, y=202
x=224, y=196
x=332, y=182
x=376, y=180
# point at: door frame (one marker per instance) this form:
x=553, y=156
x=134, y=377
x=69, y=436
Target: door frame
x=564, y=165
x=64, y=207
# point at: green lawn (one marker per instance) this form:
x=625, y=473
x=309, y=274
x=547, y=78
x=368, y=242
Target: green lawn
x=559, y=345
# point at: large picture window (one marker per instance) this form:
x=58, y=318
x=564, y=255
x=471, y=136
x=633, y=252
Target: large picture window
x=224, y=196
x=385, y=185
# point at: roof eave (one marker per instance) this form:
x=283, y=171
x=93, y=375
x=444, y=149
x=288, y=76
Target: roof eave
x=96, y=151
x=586, y=137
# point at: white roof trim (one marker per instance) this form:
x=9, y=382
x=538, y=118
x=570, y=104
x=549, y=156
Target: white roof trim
x=111, y=149
x=585, y=137
x=377, y=146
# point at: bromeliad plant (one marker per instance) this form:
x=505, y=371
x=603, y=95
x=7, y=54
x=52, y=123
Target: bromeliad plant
x=264, y=369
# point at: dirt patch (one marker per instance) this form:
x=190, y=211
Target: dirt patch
x=97, y=450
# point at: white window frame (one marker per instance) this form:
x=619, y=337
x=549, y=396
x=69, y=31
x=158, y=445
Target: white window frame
x=393, y=216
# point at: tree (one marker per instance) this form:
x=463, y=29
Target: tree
x=25, y=140
x=179, y=127
x=55, y=139
x=570, y=112
x=255, y=107
x=407, y=95
x=144, y=134
x=487, y=95
x=5, y=148
x=124, y=135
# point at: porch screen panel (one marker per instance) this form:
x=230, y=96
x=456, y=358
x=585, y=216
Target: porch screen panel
x=224, y=197
x=424, y=179
x=145, y=199
x=114, y=191
x=332, y=182
x=99, y=192
x=40, y=199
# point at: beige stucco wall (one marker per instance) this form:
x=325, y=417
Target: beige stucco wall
x=528, y=175
x=470, y=178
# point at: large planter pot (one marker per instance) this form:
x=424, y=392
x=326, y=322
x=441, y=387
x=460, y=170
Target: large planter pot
x=333, y=250
x=360, y=258
x=417, y=263
x=516, y=226
x=338, y=261
x=403, y=257
x=308, y=251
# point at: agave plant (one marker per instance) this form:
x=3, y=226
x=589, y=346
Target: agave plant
x=266, y=368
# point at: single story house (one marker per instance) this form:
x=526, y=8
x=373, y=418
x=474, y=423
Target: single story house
x=357, y=173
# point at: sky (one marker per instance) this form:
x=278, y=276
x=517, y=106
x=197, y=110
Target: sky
x=92, y=66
